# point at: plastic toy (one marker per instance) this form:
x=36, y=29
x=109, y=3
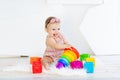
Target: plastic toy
x=69, y=55
x=36, y=64
x=76, y=64
x=89, y=66
x=83, y=56
x=91, y=60
x=36, y=67
x=34, y=59
x=74, y=50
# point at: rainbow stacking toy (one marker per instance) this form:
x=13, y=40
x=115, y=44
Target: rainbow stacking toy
x=69, y=55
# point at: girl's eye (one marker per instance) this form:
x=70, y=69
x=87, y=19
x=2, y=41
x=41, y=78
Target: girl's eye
x=53, y=29
x=58, y=28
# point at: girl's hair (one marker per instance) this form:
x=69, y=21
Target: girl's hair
x=51, y=20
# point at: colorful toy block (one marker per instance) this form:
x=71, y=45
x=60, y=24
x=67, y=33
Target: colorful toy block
x=91, y=60
x=76, y=64
x=83, y=56
x=89, y=66
x=36, y=67
x=36, y=64
x=35, y=59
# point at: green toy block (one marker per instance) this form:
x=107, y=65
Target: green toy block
x=83, y=56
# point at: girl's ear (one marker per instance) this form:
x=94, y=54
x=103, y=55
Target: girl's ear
x=46, y=30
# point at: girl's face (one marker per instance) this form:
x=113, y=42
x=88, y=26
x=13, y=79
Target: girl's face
x=53, y=29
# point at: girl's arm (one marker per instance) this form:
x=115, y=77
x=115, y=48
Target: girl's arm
x=51, y=42
x=65, y=40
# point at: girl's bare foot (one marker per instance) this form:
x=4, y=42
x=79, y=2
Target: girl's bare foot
x=46, y=62
x=46, y=66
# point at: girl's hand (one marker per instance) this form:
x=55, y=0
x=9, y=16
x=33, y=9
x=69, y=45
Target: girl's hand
x=68, y=45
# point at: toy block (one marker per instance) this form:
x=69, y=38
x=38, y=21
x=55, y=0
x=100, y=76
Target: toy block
x=84, y=56
x=91, y=60
x=89, y=66
x=76, y=64
x=35, y=59
x=36, y=67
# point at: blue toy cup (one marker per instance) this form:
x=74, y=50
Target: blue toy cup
x=89, y=66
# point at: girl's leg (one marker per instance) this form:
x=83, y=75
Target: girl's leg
x=46, y=61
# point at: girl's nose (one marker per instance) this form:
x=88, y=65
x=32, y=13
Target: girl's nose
x=57, y=31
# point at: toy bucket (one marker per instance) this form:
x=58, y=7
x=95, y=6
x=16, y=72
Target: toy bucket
x=36, y=67
x=35, y=59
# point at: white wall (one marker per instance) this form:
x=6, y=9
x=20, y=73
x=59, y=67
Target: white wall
x=22, y=25
x=19, y=27
x=101, y=28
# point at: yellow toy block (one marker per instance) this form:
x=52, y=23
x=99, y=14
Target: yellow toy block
x=91, y=60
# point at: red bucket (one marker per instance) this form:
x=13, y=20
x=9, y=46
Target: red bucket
x=37, y=67
x=36, y=64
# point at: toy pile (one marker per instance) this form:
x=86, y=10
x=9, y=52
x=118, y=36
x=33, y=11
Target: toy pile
x=73, y=59
x=70, y=58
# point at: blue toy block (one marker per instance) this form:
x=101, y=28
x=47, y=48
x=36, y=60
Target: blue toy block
x=89, y=66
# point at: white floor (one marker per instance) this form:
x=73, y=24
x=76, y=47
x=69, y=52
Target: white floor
x=107, y=68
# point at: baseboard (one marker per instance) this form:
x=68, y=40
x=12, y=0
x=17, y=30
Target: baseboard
x=13, y=56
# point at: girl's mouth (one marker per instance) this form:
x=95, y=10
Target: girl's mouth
x=54, y=34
